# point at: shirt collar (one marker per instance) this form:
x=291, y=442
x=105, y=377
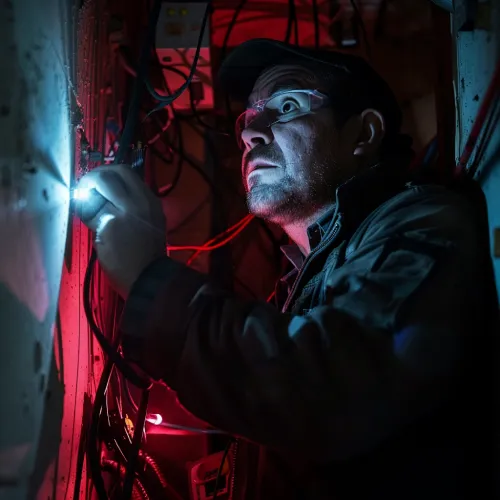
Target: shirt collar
x=315, y=232
x=355, y=199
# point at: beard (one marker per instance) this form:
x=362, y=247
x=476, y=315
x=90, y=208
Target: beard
x=306, y=185
x=293, y=198
x=278, y=203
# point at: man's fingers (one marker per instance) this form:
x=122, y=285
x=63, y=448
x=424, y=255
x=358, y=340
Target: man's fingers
x=109, y=185
x=120, y=185
x=98, y=221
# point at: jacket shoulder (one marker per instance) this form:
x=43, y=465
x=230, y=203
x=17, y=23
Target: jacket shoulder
x=431, y=210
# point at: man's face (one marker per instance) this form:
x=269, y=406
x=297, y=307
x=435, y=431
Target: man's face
x=291, y=170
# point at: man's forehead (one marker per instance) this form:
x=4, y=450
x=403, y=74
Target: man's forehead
x=281, y=77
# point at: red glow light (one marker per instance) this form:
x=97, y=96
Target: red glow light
x=154, y=418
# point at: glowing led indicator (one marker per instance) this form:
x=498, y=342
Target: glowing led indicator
x=154, y=418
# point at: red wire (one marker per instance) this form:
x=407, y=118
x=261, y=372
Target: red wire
x=479, y=123
x=215, y=242
x=243, y=223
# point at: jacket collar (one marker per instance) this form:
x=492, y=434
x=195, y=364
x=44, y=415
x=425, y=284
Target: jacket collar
x=355, y=200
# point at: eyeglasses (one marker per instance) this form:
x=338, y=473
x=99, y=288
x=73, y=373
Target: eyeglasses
x=281, y=107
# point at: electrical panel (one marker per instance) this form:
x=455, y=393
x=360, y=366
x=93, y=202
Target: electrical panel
x=177, y=35
x=212, y=477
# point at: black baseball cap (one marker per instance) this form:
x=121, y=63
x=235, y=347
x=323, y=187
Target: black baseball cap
x=358, y=85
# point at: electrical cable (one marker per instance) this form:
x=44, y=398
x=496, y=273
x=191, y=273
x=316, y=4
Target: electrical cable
x=316, y=24
x=219, y=471
x=94, y=460
x=194, y=110
x=135, y=100
x=180, y=158
x=133, y=455
x=224, y=47
x=180, y=144
x=210, y=245
x=168, y=99
x=119, y=469
x=295, y=25
x=291, y=20
x=113, y=357
x=269, y=234
x=357, y=13
x=130, y=69
x=112, y=354
x=150, y=465
x=230, y=27
x=190, y=162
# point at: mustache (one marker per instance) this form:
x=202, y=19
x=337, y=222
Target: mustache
x=264, y=154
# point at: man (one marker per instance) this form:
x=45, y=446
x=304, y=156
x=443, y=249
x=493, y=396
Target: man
x=362, y=383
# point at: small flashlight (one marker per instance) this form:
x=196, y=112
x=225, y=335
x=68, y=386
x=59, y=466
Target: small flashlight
x=88, y=202
x=81, y=194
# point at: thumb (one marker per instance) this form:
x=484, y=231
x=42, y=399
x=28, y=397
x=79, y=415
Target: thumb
x=97, y=220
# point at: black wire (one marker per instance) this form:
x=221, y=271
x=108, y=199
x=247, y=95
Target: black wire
x=178, y=128
x=363, y=28
x=168, y=99
x=180, y=159
x=196, y=114
x=378, y=30
x=135, y=100
x=108, y=349
x=295, y=25
x=130, y=68
x=292, y=18
x=190, y=162
x=224, y=48
x=269, y=234
x=93, y=455
x=289, y=25
x=230, y=28
x=221, y=467
x=316, y=24
x=133, y=454
x=126, y=388
x=113, y=357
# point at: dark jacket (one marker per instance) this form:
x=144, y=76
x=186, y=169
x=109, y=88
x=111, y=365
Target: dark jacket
x=369, y=382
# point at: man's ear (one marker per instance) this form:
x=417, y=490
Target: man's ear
x=372, y=131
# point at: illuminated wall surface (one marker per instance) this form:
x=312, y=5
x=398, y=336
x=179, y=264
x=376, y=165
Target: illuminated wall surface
x=478, y=53
x=35, y=150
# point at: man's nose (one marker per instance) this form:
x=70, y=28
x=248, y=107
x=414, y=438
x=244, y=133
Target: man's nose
x=256, y=135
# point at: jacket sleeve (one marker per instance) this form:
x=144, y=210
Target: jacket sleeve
x=381, y=349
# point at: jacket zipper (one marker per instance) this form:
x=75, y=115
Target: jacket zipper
x=233, y=461
x=320, y=247
x=309, y=258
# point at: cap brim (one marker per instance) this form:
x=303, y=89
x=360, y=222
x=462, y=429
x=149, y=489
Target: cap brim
x=241, y=68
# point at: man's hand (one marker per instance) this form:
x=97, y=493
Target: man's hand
x=129, y=228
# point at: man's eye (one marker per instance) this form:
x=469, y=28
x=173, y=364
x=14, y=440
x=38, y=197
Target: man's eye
x=288, y=106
